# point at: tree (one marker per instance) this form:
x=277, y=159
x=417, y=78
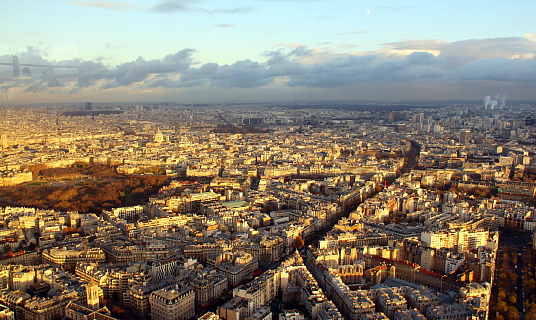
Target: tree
x=68, y=194
x=502, y=294
x=117, y=310
x=298, y=242
x=512, y=298
x=501, y=307
x=36, y=169
x=513, y=313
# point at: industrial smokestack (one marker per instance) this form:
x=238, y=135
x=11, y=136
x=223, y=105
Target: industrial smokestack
x=493, y=104
x=487, y=100
x=502, y=101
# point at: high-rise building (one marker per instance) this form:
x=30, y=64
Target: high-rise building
x=88, y=106
x=3, y=141
x=465, y=136
x=400, y=127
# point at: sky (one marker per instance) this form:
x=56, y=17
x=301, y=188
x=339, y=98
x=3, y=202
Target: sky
x=210, y=51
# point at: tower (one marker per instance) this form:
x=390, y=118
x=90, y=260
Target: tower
x=465, y=136
x=3, y=141
x=93, y=292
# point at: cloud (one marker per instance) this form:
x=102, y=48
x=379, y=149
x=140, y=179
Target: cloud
x=241, y=74
x=178, y=6
x=171, y=7
x=369, y=68
x=530, y=37
x=460, y=53
x=499, y=69
x=110, y=45
x=225, y=25
x=417, y=63
x=233, y=11
x=109, y=5
x=417, y=45
x=289, y=45
x=136, y=71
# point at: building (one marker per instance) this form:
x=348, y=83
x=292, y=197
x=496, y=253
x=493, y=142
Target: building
x=390, y=300
x=235, y=309
x=461, y=240
x=236, y=266
x=173, y=303
x=159, y=136
x=128, y=213
x=449, y=312
x=6, y=313
x=209, y=316
x=208, y=285
x=70, y=257
x=409, y=314
x=75, y=311
x=465, y=136
x=291, y=315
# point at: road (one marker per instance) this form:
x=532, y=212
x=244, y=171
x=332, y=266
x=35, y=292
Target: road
x=519, y=242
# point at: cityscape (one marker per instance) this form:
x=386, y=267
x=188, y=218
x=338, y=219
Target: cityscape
x=267, y=160
x=266, y=211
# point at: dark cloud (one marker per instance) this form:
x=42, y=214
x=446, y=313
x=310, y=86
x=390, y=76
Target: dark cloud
x=89, y=72
x=136, y=71
x=171, y=7
x=460, y=53
x=472, y=61
x=499, y=69
x=38, y=87
x=300, y=52
x=241, y=74
x=177, y=6
x=279, y=56
x=169, y=83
